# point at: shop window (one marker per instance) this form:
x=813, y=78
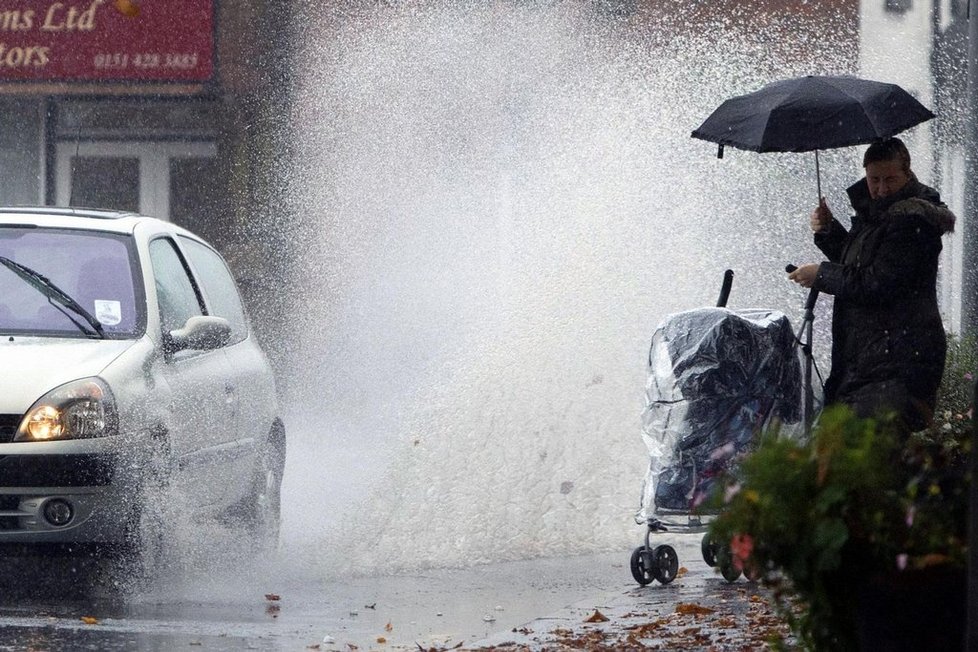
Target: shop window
x=898, y=6
x=105, y=182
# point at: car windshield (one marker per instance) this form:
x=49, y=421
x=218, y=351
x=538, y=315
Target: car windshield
x=94, y=268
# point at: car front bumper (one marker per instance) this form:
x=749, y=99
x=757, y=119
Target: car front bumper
x=96, y=483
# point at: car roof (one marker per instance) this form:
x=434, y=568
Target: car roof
x=83, y=218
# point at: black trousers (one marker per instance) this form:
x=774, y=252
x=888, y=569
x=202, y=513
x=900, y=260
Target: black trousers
x=889, y=400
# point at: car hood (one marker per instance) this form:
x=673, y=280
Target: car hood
x=32, y=366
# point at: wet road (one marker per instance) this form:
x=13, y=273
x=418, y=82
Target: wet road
x=212, y=593
x=222, y=602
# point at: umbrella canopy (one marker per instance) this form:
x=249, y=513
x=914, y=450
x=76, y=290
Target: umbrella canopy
x=811, y=113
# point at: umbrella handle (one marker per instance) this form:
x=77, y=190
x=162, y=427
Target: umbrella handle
x=818, y=177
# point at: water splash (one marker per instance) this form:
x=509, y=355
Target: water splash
x=502, y=202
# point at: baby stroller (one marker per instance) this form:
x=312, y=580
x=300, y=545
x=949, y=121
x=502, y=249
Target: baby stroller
x=715, y=378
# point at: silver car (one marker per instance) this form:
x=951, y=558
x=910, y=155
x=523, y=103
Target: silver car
x=128, y=373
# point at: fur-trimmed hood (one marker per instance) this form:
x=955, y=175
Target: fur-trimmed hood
x=914, y=199
x=937, y=214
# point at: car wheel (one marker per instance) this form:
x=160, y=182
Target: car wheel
x=144, y=548
x=265, y=513
x=146, y=544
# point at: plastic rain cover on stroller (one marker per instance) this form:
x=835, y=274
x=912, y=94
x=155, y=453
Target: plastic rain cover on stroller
x=716, y=377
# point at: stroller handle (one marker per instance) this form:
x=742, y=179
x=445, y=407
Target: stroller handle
x=725, y=288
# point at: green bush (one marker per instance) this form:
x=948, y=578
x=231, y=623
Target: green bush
x=819, y=518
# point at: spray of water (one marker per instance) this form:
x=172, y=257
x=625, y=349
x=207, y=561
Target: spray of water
x=501, y=202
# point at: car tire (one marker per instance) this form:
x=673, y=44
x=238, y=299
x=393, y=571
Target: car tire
x=144, y=548
x=264, y=512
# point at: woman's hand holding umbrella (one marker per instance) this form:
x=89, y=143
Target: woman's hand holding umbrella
x=821, y=217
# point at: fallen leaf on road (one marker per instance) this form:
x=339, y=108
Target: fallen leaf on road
x=646, y=629
x=381, y=639
x=388, y=627
x=313, y=647
x=687, y=608
x=596, y=617
x=88, y=620
x=591, y=640
x=272, y=597
x=441, y=649
x=682, y=571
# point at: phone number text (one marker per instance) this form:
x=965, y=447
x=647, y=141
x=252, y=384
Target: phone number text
x=147, y=61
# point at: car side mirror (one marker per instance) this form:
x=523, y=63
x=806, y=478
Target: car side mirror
x=201, y=333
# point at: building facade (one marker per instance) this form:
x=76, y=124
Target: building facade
x=172, y=109
x=110, y=104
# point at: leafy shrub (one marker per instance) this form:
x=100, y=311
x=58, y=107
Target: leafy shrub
x=817, y=519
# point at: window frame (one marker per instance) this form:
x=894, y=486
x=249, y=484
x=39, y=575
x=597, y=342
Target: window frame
x=236, y=337
x=181, y=257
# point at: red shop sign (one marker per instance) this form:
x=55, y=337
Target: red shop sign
x=106, y=40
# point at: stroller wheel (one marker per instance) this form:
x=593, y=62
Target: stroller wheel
x=726, y=565
x=752, y=571
x=709, y=549
x=643, y=565
x=665, y=563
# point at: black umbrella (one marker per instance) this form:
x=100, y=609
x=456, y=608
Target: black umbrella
x=810, y=113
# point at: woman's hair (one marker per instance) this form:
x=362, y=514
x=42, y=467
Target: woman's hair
x=891, y=149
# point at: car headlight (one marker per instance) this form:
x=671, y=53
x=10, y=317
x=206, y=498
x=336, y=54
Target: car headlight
x=76, y=410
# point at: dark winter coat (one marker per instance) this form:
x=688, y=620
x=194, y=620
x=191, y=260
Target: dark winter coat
x=888, y=340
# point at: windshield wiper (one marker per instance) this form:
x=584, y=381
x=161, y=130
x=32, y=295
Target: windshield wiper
x=44, y=285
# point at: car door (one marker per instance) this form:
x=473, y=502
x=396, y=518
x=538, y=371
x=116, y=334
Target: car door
x=201, y=411
x=250, y=374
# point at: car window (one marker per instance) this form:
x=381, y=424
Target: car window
x=176, y=294
x=95, y=268
x=220, y=291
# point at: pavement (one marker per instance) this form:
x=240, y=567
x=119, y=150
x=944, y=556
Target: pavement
x=698, y=610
